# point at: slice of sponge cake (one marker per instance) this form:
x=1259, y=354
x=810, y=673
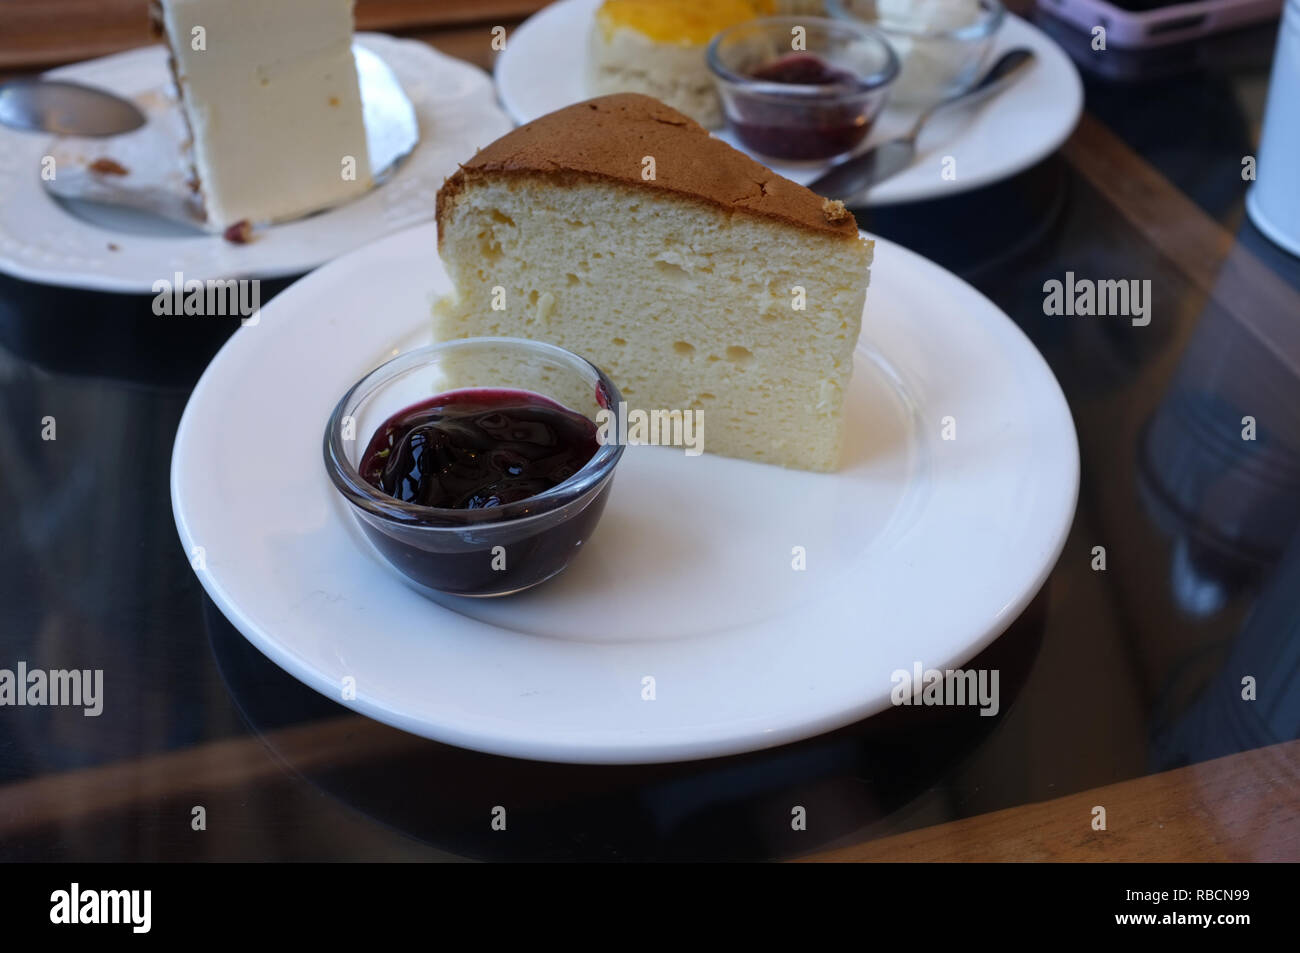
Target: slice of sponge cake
x=695, y=277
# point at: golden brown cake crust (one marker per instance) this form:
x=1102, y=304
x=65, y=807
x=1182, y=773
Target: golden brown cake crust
x=607, y=139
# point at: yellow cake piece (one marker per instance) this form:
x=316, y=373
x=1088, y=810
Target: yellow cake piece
x=657, y=48
x=717, y=286
x=683, y=22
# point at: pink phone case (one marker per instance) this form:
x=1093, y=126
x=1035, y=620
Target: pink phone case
x=1171, y=24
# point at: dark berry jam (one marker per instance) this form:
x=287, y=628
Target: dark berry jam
x=472, y=449
x=803, y=69
x=804, y=128
x=475, y=450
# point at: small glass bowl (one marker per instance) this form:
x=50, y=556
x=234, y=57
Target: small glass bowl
x=455, y=550
x=937, y=61
x=793, y=121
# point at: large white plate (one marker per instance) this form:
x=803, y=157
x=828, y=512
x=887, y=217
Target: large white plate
x=918, y=549
x=543, y=68
x=113, y=249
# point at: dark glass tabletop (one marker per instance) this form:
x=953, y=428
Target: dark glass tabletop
x=1180, y=578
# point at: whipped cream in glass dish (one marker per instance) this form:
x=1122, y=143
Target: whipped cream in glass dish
x=941, y=44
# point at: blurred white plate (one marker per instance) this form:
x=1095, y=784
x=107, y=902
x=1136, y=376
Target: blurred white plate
x=112, y=248
x=918, y=549
x=543, y=68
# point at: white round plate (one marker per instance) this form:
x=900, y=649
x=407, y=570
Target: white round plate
x=104, y=248
x=919, y=549
x=543, y=68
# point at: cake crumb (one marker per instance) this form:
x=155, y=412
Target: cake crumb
x=106, y=166
x=834, y=210
x=241, y=233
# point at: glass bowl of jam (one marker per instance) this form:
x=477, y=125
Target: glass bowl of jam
x=800, y=88
x=941, y=44
x=476, y=467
